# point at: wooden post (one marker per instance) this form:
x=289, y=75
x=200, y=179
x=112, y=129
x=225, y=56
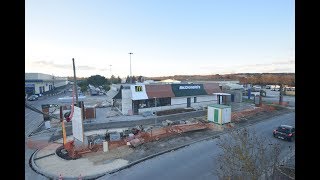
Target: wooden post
x=63, y=127
x=75, y=82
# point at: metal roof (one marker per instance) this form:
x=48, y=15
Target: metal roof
x=159, y=91
x=211, y=88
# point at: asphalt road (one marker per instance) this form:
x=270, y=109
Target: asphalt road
x=197, y=161
x=32, y=121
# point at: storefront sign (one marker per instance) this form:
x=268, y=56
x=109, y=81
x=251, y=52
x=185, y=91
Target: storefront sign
x=190, y=87
x=188, y=90
x=138, y=88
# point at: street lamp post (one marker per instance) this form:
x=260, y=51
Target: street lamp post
x=155, y=111
x=110, y=71
x=52, y=82
x=130, y=68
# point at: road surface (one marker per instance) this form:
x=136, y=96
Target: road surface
x=32, y=121
x=197, y=161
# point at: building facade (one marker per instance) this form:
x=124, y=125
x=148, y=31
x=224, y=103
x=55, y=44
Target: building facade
x=38, y=83
x=139, y=98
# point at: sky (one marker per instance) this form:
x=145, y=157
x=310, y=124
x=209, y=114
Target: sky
x=166, y=37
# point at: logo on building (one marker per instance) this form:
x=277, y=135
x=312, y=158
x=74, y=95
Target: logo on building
x=138, y=88
x=190, y=87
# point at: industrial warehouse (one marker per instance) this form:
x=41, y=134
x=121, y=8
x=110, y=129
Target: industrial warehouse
x=39, y=83
x=143, y=98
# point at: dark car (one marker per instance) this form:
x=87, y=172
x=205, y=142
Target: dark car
x=32, y=98
x=284, y=132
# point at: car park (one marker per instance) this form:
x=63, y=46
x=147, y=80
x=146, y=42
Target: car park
x=284, y=132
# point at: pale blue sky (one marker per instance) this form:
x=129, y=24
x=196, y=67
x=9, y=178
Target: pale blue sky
x=167, y=37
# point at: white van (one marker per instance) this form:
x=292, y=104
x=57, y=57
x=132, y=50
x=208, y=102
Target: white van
x=256, y=88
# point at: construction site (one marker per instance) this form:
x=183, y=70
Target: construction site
x=139, y=135
x=106, y=150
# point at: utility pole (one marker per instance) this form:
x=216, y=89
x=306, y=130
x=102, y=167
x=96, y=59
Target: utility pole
x=130, y=68
x=75, y=82
x=281, y=94
x=52, y=81
x=110, y=70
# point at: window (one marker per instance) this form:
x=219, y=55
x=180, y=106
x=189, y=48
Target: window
x=148, y=103
x=283, y=130
x=164, y=101
x=195, y=99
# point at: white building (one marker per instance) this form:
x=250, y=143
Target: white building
x=38, y=83
x=133, y=99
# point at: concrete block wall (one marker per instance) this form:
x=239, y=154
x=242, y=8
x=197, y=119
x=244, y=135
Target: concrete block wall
x=162, y=108
x=126, y=102
x=178, y=100
x=237, y=95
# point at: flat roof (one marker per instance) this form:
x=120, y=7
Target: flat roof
x=222, y=94
x=221, y=106
x=286, y=126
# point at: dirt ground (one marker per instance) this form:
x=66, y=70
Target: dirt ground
x=132, y=154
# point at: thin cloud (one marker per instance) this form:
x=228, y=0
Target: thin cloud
x=50, y=64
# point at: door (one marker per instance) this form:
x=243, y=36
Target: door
x=232, y=97
x=135, y=107
x=188, y=102
x=216, y=115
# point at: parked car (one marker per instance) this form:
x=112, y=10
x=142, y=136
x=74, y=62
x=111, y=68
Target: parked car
x=284, y=132
x=33, y=98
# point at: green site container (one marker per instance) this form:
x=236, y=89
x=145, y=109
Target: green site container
x=219, y=114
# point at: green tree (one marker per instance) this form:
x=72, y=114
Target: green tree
x=118, y=80
x=128, y=79
x=112, y=79
x=97, y=80
x=83, y=85
x=140, y=78
x=106, y=87
x=134, y=79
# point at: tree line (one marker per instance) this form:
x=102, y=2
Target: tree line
x=101, y=81
x=243, y=78
x=98, y=81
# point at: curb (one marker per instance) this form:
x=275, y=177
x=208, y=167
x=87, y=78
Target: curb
x=49, y=175
x=38, y=170
x=52, y=176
